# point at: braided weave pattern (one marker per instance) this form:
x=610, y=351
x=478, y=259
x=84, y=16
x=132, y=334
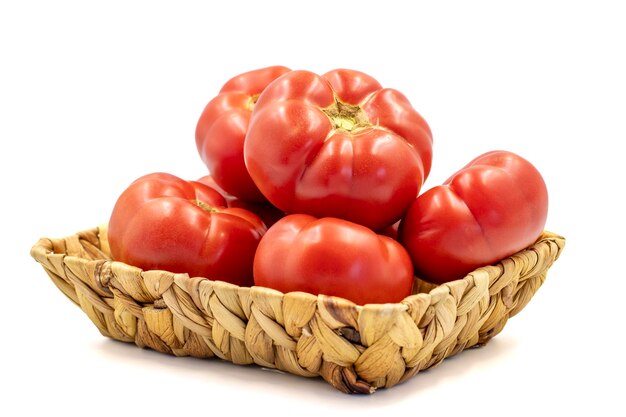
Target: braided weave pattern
x=354, y=348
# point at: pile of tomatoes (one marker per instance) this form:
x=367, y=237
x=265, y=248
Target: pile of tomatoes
x=315, y=186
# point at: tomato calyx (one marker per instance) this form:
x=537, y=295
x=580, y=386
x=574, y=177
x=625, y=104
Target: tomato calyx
x=204, y=206
x=347, y=117
x=252, y=101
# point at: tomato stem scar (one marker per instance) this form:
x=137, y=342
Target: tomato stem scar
x=345, y=116
x=252, y=101
x=204, y=206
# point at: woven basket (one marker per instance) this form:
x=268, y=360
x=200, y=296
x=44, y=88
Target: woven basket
x=354, y=348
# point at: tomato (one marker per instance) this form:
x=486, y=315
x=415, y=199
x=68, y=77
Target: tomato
x=222, y=127
x=163, y=222
x=338, y=145
x=333, y=257
x=494, y=207
x=266, y=212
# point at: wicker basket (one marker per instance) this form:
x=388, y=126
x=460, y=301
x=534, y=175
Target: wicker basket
x=354, y=348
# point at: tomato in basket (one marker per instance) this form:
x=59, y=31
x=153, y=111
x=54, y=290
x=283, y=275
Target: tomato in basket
x=163, y=222
x=222, y=127
x=492, y=208
x=333, y=257
x=337, y=145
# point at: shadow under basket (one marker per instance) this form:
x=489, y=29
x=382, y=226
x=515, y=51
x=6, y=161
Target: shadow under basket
x=356, y=349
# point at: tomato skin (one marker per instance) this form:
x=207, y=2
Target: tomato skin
x=337, y=145
x=158, y=223
x=333, y=257
x=492, y=208
x=222, y=127
x=265, y=210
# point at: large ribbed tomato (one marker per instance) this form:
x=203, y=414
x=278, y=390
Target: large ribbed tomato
x=223, y=125
x=163, y=222
x=333, y=257
x=493, y=207
x=337, y=145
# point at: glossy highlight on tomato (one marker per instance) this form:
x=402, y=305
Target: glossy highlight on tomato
x=333, y=257
x=338, y=145
x=492, y=208
x=163, y=222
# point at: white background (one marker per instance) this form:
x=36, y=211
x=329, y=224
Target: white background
x=93, y=96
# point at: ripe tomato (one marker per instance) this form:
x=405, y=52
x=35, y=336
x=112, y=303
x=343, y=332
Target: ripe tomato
x=163, y=222
x=338, y=145
x=265, y=210
x=333, y=257
x=222, y=127
x=495, y=206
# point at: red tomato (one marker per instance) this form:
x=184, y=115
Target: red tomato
x=222, y=127
x=163, y=222
x=266, y=211
x=495, y=206
x=338, y=145
x=333, y=257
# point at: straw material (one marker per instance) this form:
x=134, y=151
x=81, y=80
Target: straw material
x=354, y=348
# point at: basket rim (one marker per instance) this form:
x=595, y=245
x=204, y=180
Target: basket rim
x=44, y=247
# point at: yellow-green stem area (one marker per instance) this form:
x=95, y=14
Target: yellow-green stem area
x=204, y=206
x=252, y=101
x=346, y=116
